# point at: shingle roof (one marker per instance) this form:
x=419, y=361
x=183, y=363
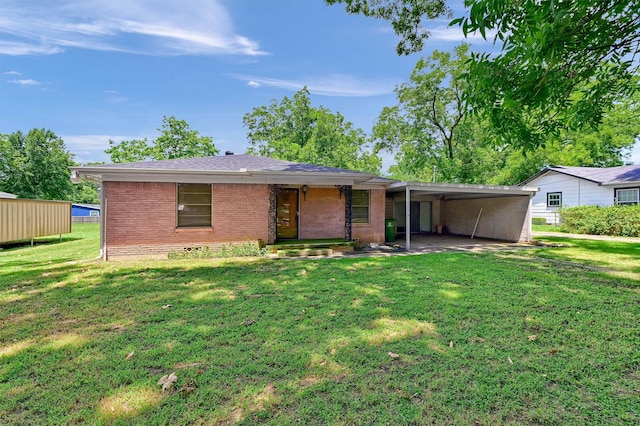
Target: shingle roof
x=600, y=175
x=229, y=163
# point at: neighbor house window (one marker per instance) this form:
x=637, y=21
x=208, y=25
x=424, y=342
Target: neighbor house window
x=194, y=205
x=360, y=206
x=554, y=199
x=627, y=196
x=94, y=213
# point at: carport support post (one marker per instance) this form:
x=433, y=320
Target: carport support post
x=407, y=223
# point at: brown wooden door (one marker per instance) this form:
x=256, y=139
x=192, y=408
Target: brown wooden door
x=287, y=214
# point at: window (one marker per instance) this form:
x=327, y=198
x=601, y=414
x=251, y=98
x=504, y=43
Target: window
x=360, y=206
x=194, y=205
x=94, y=213
x=554, y=199
x=627, y=196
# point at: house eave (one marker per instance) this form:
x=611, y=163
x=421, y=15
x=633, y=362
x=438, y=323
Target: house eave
x=231, y=176
x=462, y=190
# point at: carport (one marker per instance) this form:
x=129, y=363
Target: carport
x=483, y=211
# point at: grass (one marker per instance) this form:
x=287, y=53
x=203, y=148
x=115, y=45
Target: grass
x=542, y=336
x=547, y=228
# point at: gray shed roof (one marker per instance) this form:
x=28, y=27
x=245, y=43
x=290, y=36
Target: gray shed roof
x=7, y=195
x=599, y=175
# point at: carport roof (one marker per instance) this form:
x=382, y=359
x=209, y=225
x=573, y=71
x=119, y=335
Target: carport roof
x=454, y=191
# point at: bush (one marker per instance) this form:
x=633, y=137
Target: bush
x=245, y=249
x=595, y=220
x=539, y=221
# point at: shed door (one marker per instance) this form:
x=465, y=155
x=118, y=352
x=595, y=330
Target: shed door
x=287, y=214
x=425, y=216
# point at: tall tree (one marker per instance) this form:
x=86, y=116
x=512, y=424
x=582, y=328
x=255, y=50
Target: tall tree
x=562, y=64
x=35, y=165
x=430, y=130
x=294, y=130
x=176, y=140
x=435, y=137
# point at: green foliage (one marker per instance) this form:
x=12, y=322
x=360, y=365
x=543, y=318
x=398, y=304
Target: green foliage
x=431, y=130
x=406, y=17
x=35, y=165
x=538, y=221
x=294, y=130
x=595, y=220
x=245, y=249
x=563, y=63
x=176, y=140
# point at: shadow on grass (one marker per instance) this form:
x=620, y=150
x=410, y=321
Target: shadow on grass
x=426, y=339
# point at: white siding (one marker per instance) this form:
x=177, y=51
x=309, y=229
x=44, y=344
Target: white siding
x=575, y=192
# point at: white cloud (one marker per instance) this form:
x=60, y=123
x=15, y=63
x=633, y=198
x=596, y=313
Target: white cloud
x=25, y=82
x=90, y=148
x=455, y=34
x=113, y=92
x=12, y=73
x=330, y=85
x=188, y=27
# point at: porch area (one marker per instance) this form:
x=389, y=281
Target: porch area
x=309, y=247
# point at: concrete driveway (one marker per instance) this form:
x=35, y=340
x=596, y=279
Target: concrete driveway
x=435, y=243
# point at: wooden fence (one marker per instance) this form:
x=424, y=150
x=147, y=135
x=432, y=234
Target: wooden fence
x=22, y=219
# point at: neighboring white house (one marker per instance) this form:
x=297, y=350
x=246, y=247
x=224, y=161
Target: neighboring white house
x=582, y=186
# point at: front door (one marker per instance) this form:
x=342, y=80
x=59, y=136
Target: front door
x=287, y=214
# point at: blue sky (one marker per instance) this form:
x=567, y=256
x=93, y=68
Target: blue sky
x=94, y=70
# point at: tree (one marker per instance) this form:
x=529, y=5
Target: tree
x=606, y=146
x=176, y=140
x=430, y=130
x=406, y=17
x=562, y=64
x=35, y=165
x=435, y=137
x=294, y=130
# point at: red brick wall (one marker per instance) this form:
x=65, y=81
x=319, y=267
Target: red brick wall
x=322, y=214
x=372, y=232
x=143, y=214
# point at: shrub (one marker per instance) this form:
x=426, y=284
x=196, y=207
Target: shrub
x=245, y=249
x=595, y=220
x=539, y=221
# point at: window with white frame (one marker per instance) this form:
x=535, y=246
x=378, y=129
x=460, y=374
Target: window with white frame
x=360, y=206
x=194, y=205
x=94, y=213
x=627, y=196
x=554, y=199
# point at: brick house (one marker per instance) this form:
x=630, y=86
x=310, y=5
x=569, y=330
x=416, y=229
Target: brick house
x=154, y=207
x=158, y=206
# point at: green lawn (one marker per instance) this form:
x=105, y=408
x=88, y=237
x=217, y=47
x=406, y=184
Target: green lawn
x=541, y=336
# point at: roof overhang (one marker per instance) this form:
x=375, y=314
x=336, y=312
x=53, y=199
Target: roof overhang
x=103, y=174
x=450, y=191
